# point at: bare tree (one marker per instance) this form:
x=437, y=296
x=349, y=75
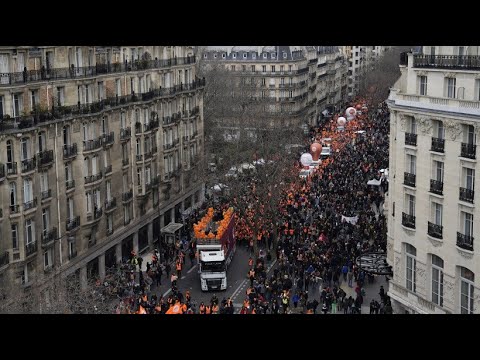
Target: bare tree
x=375, y=82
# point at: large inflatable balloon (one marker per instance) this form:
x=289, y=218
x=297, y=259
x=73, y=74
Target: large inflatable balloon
x=306, y=159
x=315, y=149
x=358, y=107
x=341, y=121
x=350, y=112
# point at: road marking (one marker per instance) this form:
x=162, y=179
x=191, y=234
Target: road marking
x=237, y=290
x=183, y=277
x=166, y=292
x=189, y=271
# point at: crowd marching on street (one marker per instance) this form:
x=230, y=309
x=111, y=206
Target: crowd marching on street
x=327, y=220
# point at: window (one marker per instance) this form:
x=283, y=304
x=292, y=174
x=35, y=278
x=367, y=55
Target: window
x=45, y=221
x=71, y=247
x=234, y=55
x=244, y=55
x=47, y=259
x=68, y=172
x=70, y=208
x=432, y=50
x=42, y=138
x=410, y=204
x=439, y=129
x=14, y=232
x=469, y=176
x=356, y=62
x=17, y=101
x=412, y=125
x=253, y=68
x=264, y=55
x=108, y=185
x=467, y=222
x=263, y=81
x=25, y=147
x=139, y=177
x=125, y=182
x=273, y=55
x=264, y=68
x=284, y=55
x=469, y=134
x=290, y=81
x=126, y=214
x=411, y=265
x=101, y=90
x=27, y=191
x=2, y=106
x=97, y=199
x=204, y=56
x=244, y=68
x=423, y=85
x=411, y=164
x=29, y=231
x=34, y=99
x=224, y=56
x=110, y=223
x=273, y=68
x=118, y=87
x=290, y=68
x=437, y=211
x=450, y=84
x=438, y=170
x=467, y=279
x=437, y=280
x=88, y=201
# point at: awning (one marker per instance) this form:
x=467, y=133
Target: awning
x=171, y=228
x=374, y=182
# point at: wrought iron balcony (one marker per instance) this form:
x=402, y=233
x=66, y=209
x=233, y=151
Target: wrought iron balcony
x=410, y=139
x=109, y=205
x=408, y=220
x=108, y=169
x=468, y=151
x=185, y=138
x=435, y=230
x=29, y=204
x=72, y=72
x=409, y=179
x=97, y=214
x=194, y=134
x=139, y=157
x=73, y=223
x=436, y=187
x=90, y=145
x=45, y=158
x=28, y=165
x=155, y=181
x=11, y=168
x=168, y=146
x=464, y=241
x=127, y=196
x=138, y=128
x=2, y=172
x=69, y=151
x=466, y=195
x=46, y=194
x=92, y=178
x=125, y=133
x=438, y=145
x=14, y=209
x=31, y=248
x=125, y=162
x=167, y=120
x=108, y=139
x=153, y=124
x=4, y=259
x=49, y=236
x=70, y=184
x=195, y=110
x=446, y=61
x=109, y=231
x=148, y=187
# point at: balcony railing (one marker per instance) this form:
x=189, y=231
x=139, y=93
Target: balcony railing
x=447, y=61
x=436, y=187
x=73, y=223
x=45, y=157
x=435, y=230
x=409, y=179
x=108, y=139
x=127, y=195
x=468, y=151
x=11, y=168
x=31, y=248
x=466, y=195
x=110, y=204
x=408, y=220
x=125, y=162
x=125, y=133
x=139, y=157
x=28, y=165
x=464, y=241
x=4, y=259
x=70, y=184
x=410, y=139
x=108, y=169
x=438, y=145
x=46, y=194
x=2, y=171
x=92, y=178
x=90, y=145
x=168, y=146
x=45, y=74
x=50, y=236
x=29, y=204
x=153, y=124
x=69, y=151
x=147, y=155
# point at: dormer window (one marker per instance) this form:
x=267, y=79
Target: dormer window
x=224, y=56
x=234, y=55
x=244, y=55
x=254, y=55
x=284, y=55
x=215, y=56
x=273, y=55
x=264, y=55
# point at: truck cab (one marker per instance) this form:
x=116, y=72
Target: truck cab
x=213, y=271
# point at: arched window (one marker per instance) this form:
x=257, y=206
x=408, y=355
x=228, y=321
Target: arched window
x=467, y=279
x=9, y=152
x=411, y=267
x=13, y=195
x=437, y=280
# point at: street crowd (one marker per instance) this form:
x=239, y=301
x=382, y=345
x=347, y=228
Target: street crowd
x=327, y=220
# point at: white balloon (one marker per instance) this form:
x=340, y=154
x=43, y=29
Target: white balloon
x=306, y=159
x=350, y=112
x=341, y=121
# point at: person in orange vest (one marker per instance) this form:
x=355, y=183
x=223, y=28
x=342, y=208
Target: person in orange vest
x=187, y=296
x=215, y=309
x=184, y=308
x=250, y=262
x=201, y=308
x=208, y=310
x=251, y=276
